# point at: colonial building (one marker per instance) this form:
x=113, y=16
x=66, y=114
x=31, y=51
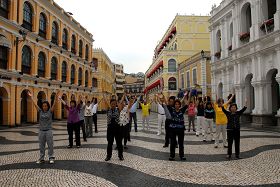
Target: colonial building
x=195, y=72
x=42, y=49
x=134, y=84
x=118, y=68
x=186, y=36
x=103, y=80
x=246, y=56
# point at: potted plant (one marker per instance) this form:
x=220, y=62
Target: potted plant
x=244, y=37
x=267, y=25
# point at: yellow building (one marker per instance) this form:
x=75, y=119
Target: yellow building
x=195, y=72
x=42, y=49
x=186, y=36
x=103, y=76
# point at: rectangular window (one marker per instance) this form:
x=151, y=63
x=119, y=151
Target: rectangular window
x=188, y=80
x=194, y=76
x=3, y=57
x=182, y=81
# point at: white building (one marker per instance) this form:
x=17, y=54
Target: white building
x=245, y=43
x=120, y=81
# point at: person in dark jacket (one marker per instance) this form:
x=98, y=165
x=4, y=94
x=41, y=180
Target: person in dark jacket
x=176, y=126
x=233, y=128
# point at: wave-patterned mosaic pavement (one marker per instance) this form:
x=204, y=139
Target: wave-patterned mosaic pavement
x=146, y=161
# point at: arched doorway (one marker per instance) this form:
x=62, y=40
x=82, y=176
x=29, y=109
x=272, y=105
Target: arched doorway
x=63, y=110
x=24, y=107
x=3, y=106
x=273, y=99
x=220, y=90
x=249, y=93
x=40, y=98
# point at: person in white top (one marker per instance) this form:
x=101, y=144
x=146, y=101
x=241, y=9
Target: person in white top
x=161, y=113
x=94, y=112
x=124, y=119
x=88, y=118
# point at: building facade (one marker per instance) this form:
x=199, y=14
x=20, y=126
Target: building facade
x=119, y=72
x=103, y=81
x=195, y=72
x=134, y=84
x=246, y=56
x=186, y=36
x=42, y=49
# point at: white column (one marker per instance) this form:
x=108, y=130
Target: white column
x=239, y=94
x=256, y=13
x=227, y=82
x=213, y=84
x=278, y=80
x=277, y=16
x=261, y=94
x=236, y=26
x=223, y=38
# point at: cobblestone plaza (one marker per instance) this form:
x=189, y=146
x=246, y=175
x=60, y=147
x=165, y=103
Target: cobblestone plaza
x=145, y=161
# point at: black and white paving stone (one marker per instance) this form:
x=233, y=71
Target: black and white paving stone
x=146, y=161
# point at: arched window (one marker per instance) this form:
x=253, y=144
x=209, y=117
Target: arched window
x=26, y=60
x=27, y=16
x=171, y=65
x=4, y=8
x=64, y=71
x=73, y=74
x=3, y=55
x=172, y=84
x=218, y=41
x=87, y=52
x=73, y=44
x=246, y=18
x=55, y=33
x=54, y=69
x=271, y=8
x=81, y=48
x=41, y=64
x=65, y=39
x=43, y=26
x=94, y=82
x=80, y=76
x=86, y=79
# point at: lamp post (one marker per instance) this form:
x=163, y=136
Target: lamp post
x=23, y=35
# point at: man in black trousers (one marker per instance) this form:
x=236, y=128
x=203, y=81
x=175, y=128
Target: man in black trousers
x=171, y=101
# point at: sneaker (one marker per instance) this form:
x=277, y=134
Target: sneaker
x=171, y=159
x=204, y=140
x=78, y=146
x=213, y=140
x=107, y=159
x=164, y=146
x=51, y=161
x=69, y=146
x=216, y=146
x=194, y=130
x=225, y=146
x=183, y=158
x=40, y=161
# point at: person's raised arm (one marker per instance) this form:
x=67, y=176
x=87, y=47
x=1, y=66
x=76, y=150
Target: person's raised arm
x=231, y=98
x=225, y=111
x=33, y=101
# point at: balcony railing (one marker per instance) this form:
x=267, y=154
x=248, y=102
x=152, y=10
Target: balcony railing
x=267, y=26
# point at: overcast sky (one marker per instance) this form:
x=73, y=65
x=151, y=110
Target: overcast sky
x=128, y=30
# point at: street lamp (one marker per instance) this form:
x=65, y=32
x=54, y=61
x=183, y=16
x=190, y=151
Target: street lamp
x=23, y=35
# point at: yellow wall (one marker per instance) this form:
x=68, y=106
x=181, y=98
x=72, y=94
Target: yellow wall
x=105, y=77
x=13, y=85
